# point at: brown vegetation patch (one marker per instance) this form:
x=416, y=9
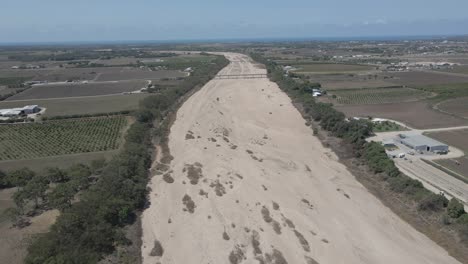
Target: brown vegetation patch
x=189, y=135
x=276, y=227
x=288, y=222
x=308, y=203
x=157, y=250
x=189, y=204
x=237, y=255
x=226, y=236
x=249, y=151
x=302, y=241
x=310, y=260
x=194, y=172
x=276, y=257
x=203, y=193
x=256, y=243
x=218, y=187
x=168, y=178
x=275, y=206
x=266, y=215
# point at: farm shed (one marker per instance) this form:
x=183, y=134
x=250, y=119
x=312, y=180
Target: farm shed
x=11, y=112
x=31, y=109
x=423, y=143
x=388, y=143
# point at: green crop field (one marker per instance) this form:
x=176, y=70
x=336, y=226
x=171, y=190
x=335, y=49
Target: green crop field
x=378, y=96
x=60, y=137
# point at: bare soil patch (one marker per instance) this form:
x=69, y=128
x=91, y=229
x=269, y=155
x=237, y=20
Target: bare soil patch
x=459, y=165
x=425, y=78
x=458, y=107
x=415, y=114
x=77, y=90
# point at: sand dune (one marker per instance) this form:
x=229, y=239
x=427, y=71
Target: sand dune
x=249, y=183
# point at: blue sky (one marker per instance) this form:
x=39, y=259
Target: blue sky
x=107, y=20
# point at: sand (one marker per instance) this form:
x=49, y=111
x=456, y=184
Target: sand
x=252, y=184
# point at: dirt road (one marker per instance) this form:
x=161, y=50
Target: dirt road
x=249, y=183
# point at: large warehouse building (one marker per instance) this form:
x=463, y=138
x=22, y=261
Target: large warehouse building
x=423, y=143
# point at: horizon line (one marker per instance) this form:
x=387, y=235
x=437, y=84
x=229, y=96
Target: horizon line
x=235, y=40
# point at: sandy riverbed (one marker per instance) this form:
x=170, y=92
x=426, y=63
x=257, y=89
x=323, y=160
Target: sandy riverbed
x=251, y=183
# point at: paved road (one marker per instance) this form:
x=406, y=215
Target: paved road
x=434, y=179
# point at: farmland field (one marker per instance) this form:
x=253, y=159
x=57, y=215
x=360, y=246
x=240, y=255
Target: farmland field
x=61, y=137
x=378, y=96
x=77, y=89
x=425, y=78
x=458, y=139
x=458, y=107
x=447, y=91
x=330, y=68
x=82, y=105
x=459, y=165
x=138, y=74
x=417, y=114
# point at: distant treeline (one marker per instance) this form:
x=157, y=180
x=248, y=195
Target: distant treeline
x=87, y=55
x=355, y=132
x=90, y=227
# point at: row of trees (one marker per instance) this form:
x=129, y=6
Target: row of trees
x=356, y=132
x=124, y=112
x=91, y=227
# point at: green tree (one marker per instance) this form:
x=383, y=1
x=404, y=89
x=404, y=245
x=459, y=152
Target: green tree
x=455, y=209
x=3, y=180
x=20, y=177
x=61, y=196
x=56, y=175
x=36, y=188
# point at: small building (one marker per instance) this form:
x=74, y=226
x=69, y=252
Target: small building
x=389, y=143
x=11, y=112
x=31, y=109
x=21, y=111
x=423, y=143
